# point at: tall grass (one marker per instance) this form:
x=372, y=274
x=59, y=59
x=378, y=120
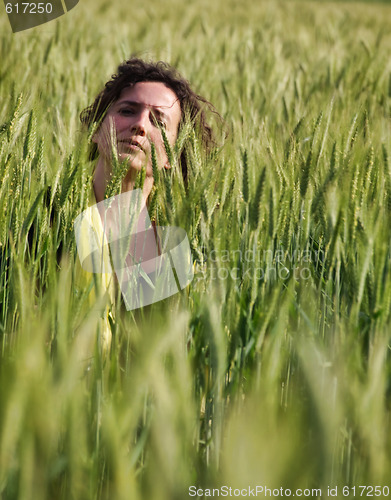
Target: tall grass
x=272, y=368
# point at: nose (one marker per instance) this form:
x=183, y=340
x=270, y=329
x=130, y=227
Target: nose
x=139, y=123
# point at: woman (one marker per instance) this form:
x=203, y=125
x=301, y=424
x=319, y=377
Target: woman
x=142, y=105
x=134, y=105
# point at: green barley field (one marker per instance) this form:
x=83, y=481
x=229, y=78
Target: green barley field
x=272, y=369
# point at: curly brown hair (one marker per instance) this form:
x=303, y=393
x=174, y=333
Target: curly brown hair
x=193, y=106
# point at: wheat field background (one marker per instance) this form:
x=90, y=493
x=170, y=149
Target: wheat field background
x=273, y=367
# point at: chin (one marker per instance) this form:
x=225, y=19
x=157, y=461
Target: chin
x=134, y=163
x=136, y=166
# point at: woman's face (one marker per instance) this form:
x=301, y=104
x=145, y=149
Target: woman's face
x=136, y=119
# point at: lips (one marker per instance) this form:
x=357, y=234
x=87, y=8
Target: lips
x=132, y=143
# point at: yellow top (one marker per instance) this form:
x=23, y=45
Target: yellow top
x=94, y=274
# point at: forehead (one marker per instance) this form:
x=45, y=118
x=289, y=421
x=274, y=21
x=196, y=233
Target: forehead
x=154, y=94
